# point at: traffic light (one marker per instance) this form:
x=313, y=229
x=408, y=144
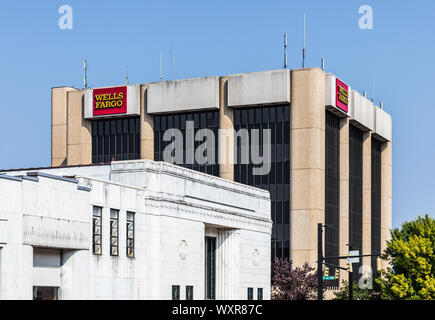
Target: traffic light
x=337, y=273
x=326, y=272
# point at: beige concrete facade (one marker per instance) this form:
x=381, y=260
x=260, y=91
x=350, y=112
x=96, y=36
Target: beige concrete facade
x=226, y=135
x=307, y=172
x=146, y=128
x=367, y=197
x=344, y=193
x=79, y=138
x=386, y=195
x=59, y=125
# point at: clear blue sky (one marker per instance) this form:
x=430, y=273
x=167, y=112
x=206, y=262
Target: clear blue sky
x=219, y=38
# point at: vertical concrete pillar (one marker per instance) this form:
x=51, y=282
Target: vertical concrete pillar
x=307, y=206
x=344, y=192
x=79, y=136
x=367, y=198
x=228, y=268
x=59, y=125
x=226, y=133
x=386, y=195
x=146, y=127
x=74, y=275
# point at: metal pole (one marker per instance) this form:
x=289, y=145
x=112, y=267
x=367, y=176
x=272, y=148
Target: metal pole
x=350, y=278
x=319, y=262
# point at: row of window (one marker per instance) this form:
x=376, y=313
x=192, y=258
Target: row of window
x=189, y=293
x=275, y=118
x=114, y=232
x=176, y=292
x=332, y=190
x=251, y=293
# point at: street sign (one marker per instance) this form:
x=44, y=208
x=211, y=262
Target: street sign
x=352, y=254
x=325, y=278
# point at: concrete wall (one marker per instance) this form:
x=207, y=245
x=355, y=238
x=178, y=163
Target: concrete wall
x=362, y=112
x=183, y=95
x=256, y=88
x=344, y=193
x=383, y=125
x=79, y=139
x=59, y=125
x=307, y=206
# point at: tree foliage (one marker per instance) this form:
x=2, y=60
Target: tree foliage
x=411, y=252
x=358, y=293
x=290, y=283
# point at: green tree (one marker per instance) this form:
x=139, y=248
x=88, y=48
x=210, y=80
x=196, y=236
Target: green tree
x=411, y=252
x=358, y=293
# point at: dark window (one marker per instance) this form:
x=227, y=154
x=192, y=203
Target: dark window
x=355, y=189
x=376, y=200
x=202, y=120
x=130, y=234
x=250, y=293
x=114, y=232
x=189, y=292
x=277, y=182
x=210, y=268
x=175, y=292
x=96, y=230
x=260, y=294
x=45, y=293
x=332, y=190
x=115, y=139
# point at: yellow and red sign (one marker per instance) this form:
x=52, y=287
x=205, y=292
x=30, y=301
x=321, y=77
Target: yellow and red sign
x=110, y=101
x=342, y=96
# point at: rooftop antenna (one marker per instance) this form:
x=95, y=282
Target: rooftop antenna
x=85, y=79
x=285, y=50
x=373, y=88
x=126, y=76
x=303, y=50
x=161, y=65
x=323, y=64
x=171, y=66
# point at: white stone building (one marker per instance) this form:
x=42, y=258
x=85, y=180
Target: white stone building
x=132, y=230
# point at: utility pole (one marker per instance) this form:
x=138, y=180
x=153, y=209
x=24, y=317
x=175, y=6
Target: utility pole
x=319, y=262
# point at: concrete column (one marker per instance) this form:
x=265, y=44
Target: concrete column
x=228, y=269
x=74, y=275
x=146, y=127
x=226, y=133
x=79, y=136
x=307, y=206
x=367, y=198
x=386, y=195
x=59, y=125
x=344, y=193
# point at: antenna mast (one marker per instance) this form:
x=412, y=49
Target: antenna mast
x=285, y=50
x=303, y=50
x=171, y=67
x=161, y=65
x=126, y=77
x=85, y=79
